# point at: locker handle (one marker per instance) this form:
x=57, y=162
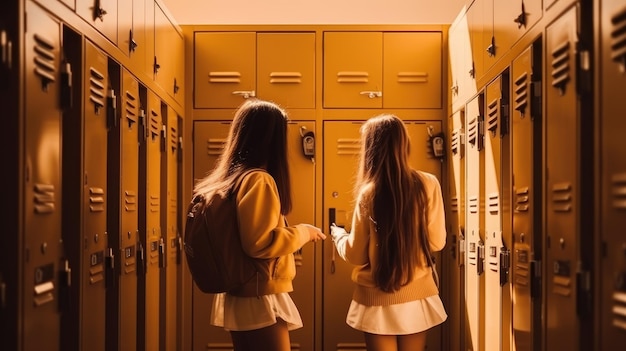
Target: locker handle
x=332, y=215
x=161, y=253
x=246, y=94
x=98, y=11
x=372, y=94
x=521, y=18
x=132, y=44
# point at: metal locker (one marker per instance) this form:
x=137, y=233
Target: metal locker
x=151, y=244
x=123, y=192
x=101, y=14
x=497, y=186
x=341, y=152
x=209, y=140
x=475, y=21
x=474, y=235
x=11, y=49
x=170, y=277
x=456, y=229
x=461, y=63
x=568, y=210
x=168, y=68
x=612, y=265
x=526, y=201
x=41, y=257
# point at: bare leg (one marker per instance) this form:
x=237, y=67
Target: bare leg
x=375, y=342
x=272, y=338
x=412, y=342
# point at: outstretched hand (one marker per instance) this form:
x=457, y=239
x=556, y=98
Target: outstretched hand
x=315, y=233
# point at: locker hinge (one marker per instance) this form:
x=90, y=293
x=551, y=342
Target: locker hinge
x=163, y=137
x=583, y=288
x=67, y=272
x=480, y=260
x=535, y=98
x=66, y=86
x=584, y=70
x=112, y=109
x=180, y=150
x=110, y=268
x=461, y=249
x=481, y=133
x=141, y=256
x=143, y=131
x=162, y=262
x=535, y=278
x=179, y=249
x=505, y=265
x=504, y=118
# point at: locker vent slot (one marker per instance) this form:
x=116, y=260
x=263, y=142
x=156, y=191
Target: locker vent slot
x=492, y=115
x=522, y=272
x=521, y=92
x=44, y=59
x=412, y=77
x=348, y=146
x=96, y=269
x=44, y=198
x=618, y=37
x=522, y=197
x=562, y=197
x=97, y=94
x=352, y=77
x=618, y=190
x=131, y=109
x=96, y=199
x=454, y=142
x=454, y=203
x=215, y=146
x=561, y=65
x=619, y=310
x=285, y=78
x=130, y=201
x=473, y=204
x=173, y=138
x=472, y=131
x=493, y=203
x=155, y=203
x=224, y=77
x=155, y=127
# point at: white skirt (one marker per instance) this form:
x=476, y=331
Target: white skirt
x=399, y=319
x=249, y=313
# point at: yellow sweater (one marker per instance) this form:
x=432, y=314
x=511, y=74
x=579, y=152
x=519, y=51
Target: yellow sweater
x=265, y=237
x=359, y=248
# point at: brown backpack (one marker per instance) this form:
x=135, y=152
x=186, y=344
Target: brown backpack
x=212, y=244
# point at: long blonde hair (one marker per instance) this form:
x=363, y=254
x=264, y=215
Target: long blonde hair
x=395, y=197
x=257, y=139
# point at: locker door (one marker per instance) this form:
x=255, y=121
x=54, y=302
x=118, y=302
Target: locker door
x=412, y=70
x=135, y=40
x=497, y=220
x=341, y=152
x=474, y=241
x=613, y=179
x=40, y=317
x=303, y=187
x=101, y=14
x=475, y=21
x=353, y=69
x=152, y=245
x=456, y=229
x=172, y=236
x=129, y=157
x=286, y=69
x=460, y=56
x=123, y=200
x=526, y=201
x=225, y=68
x=169, y=49
x=11, y=51
x=563, y=199
x=209, y=140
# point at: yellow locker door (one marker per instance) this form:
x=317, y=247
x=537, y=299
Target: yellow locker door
x=474, y=278
x=169, y=50
x=412, y=70
x=475, y=21
x=225, y=68
x=101, y=14
x=353, y=75
x=286, y=69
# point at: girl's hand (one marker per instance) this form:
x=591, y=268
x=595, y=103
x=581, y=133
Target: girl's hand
x=315, y=233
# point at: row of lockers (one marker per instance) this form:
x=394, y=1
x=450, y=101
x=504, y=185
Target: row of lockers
x=91, y=259
x=535, y=187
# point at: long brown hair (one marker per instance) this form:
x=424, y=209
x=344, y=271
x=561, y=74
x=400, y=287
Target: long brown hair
x=396, y=198
x=257, y=139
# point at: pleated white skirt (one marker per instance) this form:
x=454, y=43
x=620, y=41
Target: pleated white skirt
x=249, y=313
x=399, y=319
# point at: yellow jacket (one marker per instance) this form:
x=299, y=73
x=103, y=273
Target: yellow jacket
x=360, y=246
x=265, y=237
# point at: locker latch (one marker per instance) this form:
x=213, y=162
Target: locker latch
x=161, y=253
x=112, y=109
x=179, y=249
x=521, y=18
x=480, y=262
x=143, y=132
x=180, y=149
x=66, y=85
x=141, y=255
x=163, y=137
x=505, y=265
